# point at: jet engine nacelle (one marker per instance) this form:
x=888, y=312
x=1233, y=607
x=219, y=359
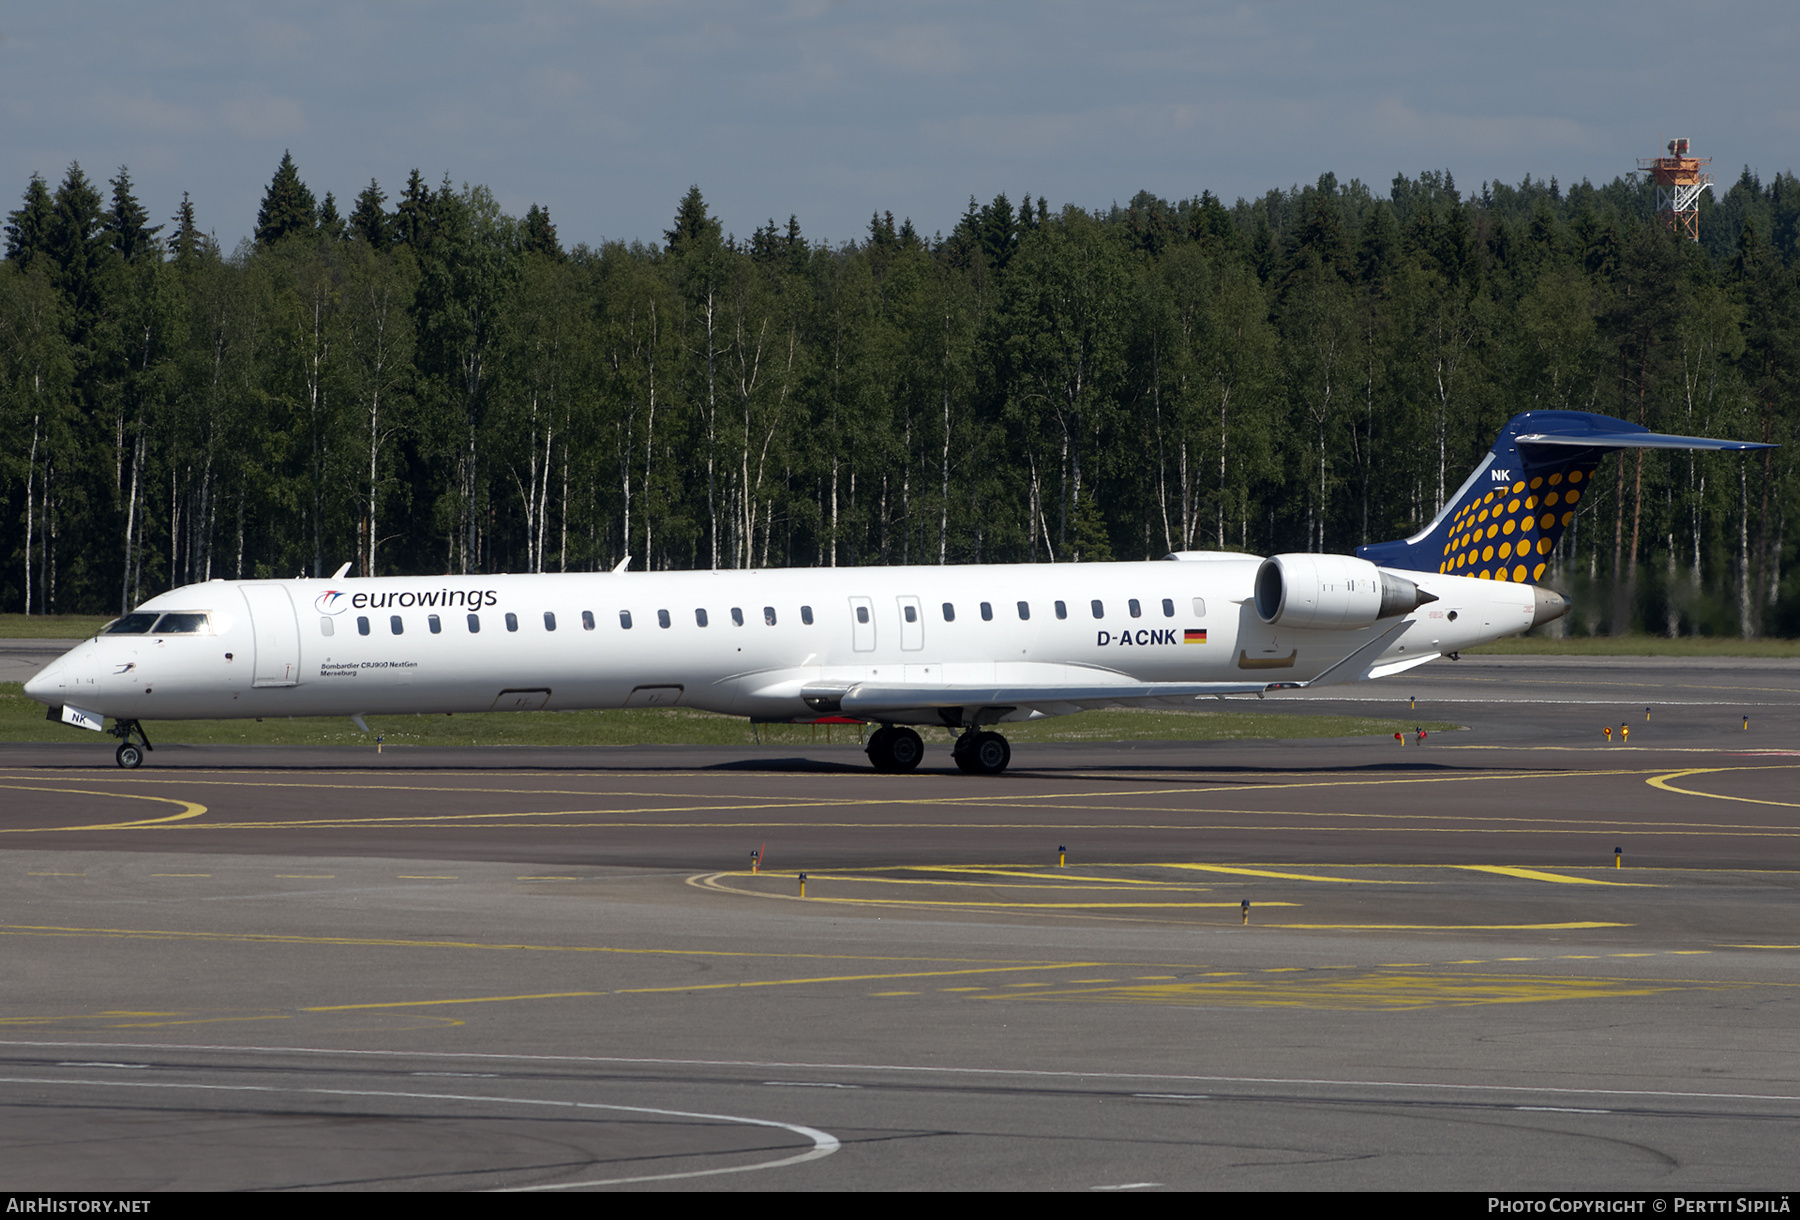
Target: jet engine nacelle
x=1331, y=592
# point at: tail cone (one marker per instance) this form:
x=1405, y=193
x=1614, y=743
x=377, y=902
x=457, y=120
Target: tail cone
x=1550, y=605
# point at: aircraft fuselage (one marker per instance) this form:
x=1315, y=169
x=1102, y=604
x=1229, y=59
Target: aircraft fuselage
x=739, y=642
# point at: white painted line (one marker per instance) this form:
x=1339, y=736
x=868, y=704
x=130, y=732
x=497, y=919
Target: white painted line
x=823, y=1144
x=77, y=1063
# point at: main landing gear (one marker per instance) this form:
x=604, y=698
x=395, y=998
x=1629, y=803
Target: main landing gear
x=981, y=752
x=893, y=749
x=128, y=755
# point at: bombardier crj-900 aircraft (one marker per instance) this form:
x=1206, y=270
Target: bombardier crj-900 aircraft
x=962, y=647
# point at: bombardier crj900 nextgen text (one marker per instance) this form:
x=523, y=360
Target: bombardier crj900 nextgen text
x=962, y=647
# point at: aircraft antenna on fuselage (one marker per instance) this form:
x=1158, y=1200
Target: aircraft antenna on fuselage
x=622, y=564
x=341, y=572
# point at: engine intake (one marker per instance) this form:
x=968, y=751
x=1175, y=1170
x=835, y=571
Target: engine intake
x=1331, y=592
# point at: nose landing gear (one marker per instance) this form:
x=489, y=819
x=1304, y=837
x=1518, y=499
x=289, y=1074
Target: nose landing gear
x=128, y=755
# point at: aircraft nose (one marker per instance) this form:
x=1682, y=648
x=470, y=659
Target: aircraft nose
x=46, y=686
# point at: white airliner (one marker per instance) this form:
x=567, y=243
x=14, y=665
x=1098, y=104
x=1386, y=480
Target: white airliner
x=961, y=647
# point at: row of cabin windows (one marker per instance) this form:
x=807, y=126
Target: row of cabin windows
x=1098, y=607
x=663, y=619
x=397, y=624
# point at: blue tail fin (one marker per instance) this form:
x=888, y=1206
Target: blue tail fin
x=1504, y=522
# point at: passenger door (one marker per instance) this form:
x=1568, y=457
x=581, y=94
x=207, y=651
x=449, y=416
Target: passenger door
x=912, y=624
x=277, y=635
x=862, y=624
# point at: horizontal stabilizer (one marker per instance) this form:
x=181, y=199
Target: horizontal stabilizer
x=1631, y=440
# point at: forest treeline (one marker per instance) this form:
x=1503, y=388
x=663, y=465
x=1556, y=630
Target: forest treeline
x=435, y=386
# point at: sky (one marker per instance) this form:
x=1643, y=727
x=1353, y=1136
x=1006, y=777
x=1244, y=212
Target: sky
x=606, y=111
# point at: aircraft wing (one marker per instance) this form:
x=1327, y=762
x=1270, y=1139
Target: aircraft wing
x=869, y=699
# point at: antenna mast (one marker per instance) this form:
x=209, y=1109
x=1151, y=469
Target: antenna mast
x=1679, y=180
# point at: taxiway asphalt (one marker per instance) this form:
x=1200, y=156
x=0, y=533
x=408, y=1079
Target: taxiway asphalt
x=298, y=968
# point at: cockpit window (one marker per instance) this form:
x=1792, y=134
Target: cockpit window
x=133, y=624
x=181, y=624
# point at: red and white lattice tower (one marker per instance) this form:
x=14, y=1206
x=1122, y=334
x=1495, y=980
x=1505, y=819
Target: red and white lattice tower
x=1679, y=180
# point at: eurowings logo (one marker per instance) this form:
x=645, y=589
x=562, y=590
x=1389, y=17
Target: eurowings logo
x=332, y=601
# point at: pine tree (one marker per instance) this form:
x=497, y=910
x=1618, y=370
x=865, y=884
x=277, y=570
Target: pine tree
x=78, y=242
x=330, y=223
x=129, y=236
x=693, y=227
x=187, y=242
x=28, y=229
x=287, y=205
x=369, y=220
x=412, y=220
x=537, y=235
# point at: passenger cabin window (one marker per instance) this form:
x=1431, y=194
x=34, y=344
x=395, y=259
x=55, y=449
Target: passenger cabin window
x=911, y=613
x=512, y=621
x=1136, y=607
x=1099, y=609
x=474, y=624
x=1199, y=607
x=587, y=620
x=699, y=618
x=133, y=624
x=662, y=618
x=862, y=614
x=549, y=620
x=737, y=616
x=1168, y=607
x=806, y=615
x=625, y=619
x=1062, y=609
x=435, y=623
x=769, y=615
x=987, y=612
x=395, y=625
x=1024, y=611
x=362, y=624
x=949, y=613
x=324, y=626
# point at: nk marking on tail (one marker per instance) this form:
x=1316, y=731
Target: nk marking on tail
x=1506, y=519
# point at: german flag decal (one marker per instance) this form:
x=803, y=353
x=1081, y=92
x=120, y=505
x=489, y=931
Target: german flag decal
x=1194, y=635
